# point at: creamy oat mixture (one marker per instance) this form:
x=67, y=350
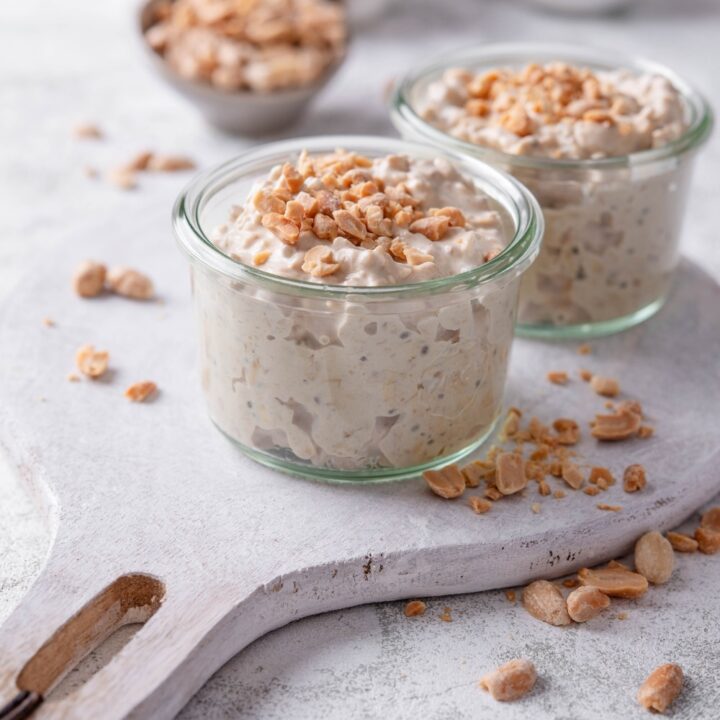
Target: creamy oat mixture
x=611, y=234
x=358, y=383
x=345, y=219
x=259, y=45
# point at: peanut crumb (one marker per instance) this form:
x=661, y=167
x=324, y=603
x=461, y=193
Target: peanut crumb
x=511, y=596
x=559, y=494
x=447, y=482
x=48, y=322
x=609, y=508
x=558, y=377
x=87, y=131
x=605, y=386
x=141, y=391
x=535, y=507
x=591, y=490
x=73, y=377
x=480, y=505
x=586, y=375
x=414, y=608
x=646, y=431
x=634, y=478
x=621, y=616
x=446, y=615
x=510, y=681
x=89, y=279
x=260, y=258
x=584, y=349
x=91, y=362
x=122, y=178
x=570, y=583
x=130, y=283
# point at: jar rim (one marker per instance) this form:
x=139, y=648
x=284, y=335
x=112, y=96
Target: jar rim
x=517, y=201
x=404, y=116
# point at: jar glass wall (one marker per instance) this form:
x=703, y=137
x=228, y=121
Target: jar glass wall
x=350, y=383
x=613, y=224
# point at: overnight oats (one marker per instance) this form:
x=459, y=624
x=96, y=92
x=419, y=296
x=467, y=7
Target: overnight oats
x=356, y=306
x=605, y=146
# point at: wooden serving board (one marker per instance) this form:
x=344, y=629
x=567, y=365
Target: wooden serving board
x=156, y=516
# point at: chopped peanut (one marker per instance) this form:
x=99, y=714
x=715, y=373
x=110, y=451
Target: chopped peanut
x=558, y=377
x=130, y=283
x=89, y=279
x=91, y=362
x=608, y=387
x=415, y=608
x=634, y=478
x=480, y=505
x=448, y=482
x=510, y=681
x=661, y=688
x=141, y=391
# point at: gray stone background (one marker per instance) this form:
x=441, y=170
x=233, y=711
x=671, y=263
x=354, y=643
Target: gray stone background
x=71, y=61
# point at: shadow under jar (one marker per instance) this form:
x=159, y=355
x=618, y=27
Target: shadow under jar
x=612, y=224
x=344, y=382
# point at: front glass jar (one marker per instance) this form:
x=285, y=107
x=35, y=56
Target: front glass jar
x=343, y=382
x=612, y=225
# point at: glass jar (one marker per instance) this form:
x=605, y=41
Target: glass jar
x=612, y=225
x=343, y=382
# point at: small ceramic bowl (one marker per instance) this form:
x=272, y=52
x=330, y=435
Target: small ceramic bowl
x=236, y=112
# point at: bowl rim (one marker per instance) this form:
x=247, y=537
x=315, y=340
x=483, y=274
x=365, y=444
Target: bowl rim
x=405, y=118
x=517, y=201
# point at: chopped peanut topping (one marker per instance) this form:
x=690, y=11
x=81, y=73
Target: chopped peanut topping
x=281, y=227
x=601, y=477
x=415, y=608
x=260, y=258
x=141, y=391
x=711, y=519
x=319, y=261
x=586, y=375
x=91, y=362
x=572, y=475
x=568, y=431
x=478, y=471
x=620, y=426
x=434, y=228
x=609, y=508
x=448, y=482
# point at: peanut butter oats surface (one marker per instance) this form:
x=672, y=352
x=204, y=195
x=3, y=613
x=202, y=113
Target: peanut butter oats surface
x=357, y=308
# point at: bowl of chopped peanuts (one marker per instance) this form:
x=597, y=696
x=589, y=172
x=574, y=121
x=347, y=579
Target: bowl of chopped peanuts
x=356, y=301
x=249, y=67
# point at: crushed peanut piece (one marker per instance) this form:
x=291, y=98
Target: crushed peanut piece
x=87, y=131
x=73, y=377
x=168, y=163
x=478, y=471
x=634, y=478
x=130, y=283
x=661, y=688
x=122, y=178
x=89, y=279
x=568, y=431
x=139, y=162
x=621, y=425
x=592, y=490
x=572, y=475
x=645, y=431
x=492, y=493
x=91, y=362
x=585, y=375
x=544, y=488
x=654, y=557
x=559, y=494
x=584, y=349
x=48, y=322
x=414, y=608
x=448, y=482
x=510, y=473
x=615, y=581
x=711, y=519
x=510, y=681
x=681, y=542
x=319, y=261
x=558, y=377
x=621, y=616
x=570, y=582
x=545, y=602
x=586, y=602
x=260, y=258
x=609, y=508
x=605, y=386
x=510, y=595
x=535, y=507
x=600, y=475
x=708, y=540
x=141, y=391
x=446, y=615
x=480, y=505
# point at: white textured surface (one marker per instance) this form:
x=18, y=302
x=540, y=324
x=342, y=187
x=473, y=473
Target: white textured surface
x=73, y=62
